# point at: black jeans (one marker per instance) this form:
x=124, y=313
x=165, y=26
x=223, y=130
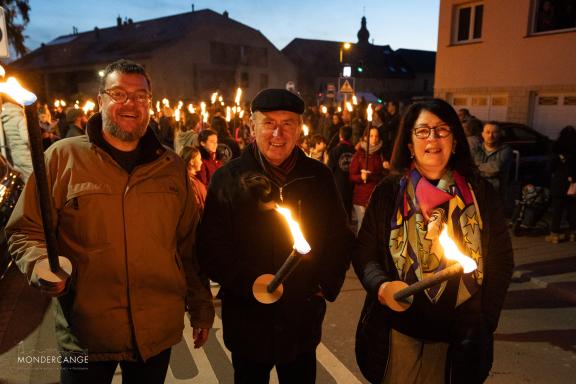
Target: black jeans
x=559, y=206
x=302, y=370
x=153, y=371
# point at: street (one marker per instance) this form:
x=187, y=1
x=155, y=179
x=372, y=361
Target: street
x=535, y=342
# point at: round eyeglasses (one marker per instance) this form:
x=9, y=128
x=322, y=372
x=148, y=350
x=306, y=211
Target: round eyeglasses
x=424, y=131
x=119, y=95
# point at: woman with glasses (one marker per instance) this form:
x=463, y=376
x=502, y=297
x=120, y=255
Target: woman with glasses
x=445, y=334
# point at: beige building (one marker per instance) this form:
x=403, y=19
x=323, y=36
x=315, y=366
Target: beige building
x=511, y=60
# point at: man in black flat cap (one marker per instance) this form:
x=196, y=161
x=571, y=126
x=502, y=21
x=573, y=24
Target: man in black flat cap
x=241, y=238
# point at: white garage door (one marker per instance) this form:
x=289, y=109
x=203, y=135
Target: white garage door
x=552, y=112
x=484, y=107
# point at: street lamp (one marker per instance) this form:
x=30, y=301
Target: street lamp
x=343, y=47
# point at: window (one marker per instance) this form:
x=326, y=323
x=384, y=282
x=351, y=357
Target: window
x=244, y=80
x=553, y=15
x=468, y=23
x=263, y=80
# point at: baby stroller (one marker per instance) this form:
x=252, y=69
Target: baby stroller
x=529, y=211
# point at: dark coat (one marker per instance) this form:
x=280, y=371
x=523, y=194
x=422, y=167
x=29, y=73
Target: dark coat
x=239, y=240
x=471, y=325
x=339, y=162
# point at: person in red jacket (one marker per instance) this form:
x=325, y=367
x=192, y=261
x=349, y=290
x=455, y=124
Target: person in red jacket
x=365, y=172
x=208, y=140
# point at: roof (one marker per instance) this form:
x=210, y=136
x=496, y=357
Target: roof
x=418, y=60
x=378, y=61
x=134, y=40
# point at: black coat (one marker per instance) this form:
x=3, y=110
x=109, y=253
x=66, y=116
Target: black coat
x=239, y=240
x=469, y=327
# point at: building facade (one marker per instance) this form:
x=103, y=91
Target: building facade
x=188, y=56
x=509, y=60
x=375, y=71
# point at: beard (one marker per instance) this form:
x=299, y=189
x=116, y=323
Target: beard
x=114, y=130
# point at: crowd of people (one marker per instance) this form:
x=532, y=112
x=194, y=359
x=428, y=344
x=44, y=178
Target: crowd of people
x=150, y=209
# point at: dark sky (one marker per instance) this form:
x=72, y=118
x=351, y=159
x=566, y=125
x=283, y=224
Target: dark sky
x=399, y=23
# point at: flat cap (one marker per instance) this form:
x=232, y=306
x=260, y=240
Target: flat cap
x=277, y=100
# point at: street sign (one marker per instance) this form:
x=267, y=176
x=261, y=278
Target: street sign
x=330, y=90
x=3, y=35
x=347, y=86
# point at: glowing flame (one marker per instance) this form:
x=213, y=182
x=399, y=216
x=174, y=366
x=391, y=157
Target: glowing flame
x=213, y=97
x=205, y=119
x=452, y=252
x=203, y=107
x=88, y=106
x=151, y=112
x=369, y=112
x=158, y=106
x=2, y=71
x=13, y=89
x=349, y=106
x=300, y=244
x=228, y=114
x=177, y=114
x=56, y=103
x=324, y=109
x=354, y=100
x=339, y=109
x=191, y=108
x=62, y=103
x=238, y=95
x=165, y=102
x=180, y=104
x=241, y=114
x=305, y=129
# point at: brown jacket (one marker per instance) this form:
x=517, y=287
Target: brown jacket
x=130, y=238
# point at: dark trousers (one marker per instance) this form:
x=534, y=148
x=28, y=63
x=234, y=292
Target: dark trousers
x=559, y=206
x=153, y=371
x=302, y=370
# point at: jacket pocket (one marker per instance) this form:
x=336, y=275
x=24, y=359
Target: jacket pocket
x=88, y=214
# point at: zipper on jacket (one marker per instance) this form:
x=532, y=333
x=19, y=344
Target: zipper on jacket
x=281, y=188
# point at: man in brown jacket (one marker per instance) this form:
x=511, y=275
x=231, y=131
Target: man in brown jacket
x=125, y=217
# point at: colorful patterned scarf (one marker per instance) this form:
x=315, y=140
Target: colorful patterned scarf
x=414, y=233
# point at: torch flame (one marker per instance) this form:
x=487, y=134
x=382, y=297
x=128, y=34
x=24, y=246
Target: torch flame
x=324, y=109
x=300, y=244
x=177, y=114
x=354, y=100
x=13, y=89
x=213, y=97
x=238, y=95
x=191, y=108
x=228, y=114
x=452, y=252
x=88, y=106
x=369, y=112
x=349, y=106
x=305, y=129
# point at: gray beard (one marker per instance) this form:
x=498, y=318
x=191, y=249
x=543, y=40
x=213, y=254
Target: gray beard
x=115, y=131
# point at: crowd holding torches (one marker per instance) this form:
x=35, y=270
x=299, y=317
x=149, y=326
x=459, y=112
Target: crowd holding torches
x=398, y=295
x=268, y=288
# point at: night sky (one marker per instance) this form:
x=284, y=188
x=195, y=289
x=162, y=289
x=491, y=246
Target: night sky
x=398, y=23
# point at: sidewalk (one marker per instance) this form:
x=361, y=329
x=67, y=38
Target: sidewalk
x=546, y=265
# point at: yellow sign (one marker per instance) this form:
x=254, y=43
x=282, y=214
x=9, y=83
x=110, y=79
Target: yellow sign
x=346, y=88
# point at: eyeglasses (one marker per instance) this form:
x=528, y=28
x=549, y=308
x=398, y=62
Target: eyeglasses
x=119, y=95
x=424, y=131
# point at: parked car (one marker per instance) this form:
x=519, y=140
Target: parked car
x=11, y=185
x=532, y=156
